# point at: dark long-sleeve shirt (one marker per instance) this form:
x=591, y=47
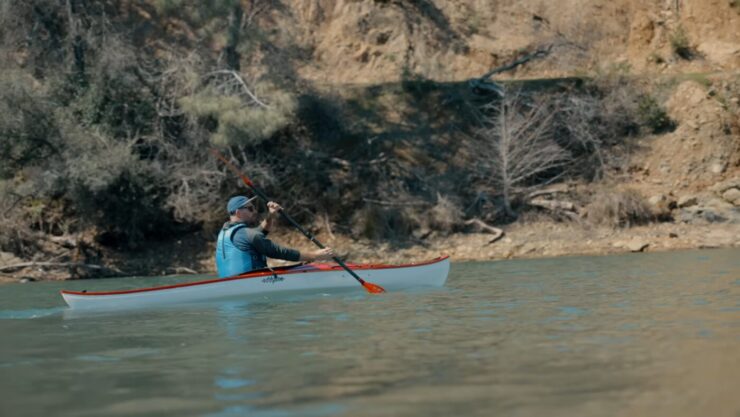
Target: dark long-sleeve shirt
x=257, y=238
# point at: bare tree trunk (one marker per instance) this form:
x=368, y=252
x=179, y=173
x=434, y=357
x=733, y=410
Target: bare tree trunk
x=235, y=24
x=76, y=41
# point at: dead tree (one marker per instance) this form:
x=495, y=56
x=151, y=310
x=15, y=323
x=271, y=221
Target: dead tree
x=517, y=146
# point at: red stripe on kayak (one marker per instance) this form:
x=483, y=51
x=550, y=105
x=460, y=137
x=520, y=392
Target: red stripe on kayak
x=319, y=268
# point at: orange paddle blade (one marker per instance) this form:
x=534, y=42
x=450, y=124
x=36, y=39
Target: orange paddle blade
x=372, y=288
x=231, y=166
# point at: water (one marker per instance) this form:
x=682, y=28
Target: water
x=633, y=335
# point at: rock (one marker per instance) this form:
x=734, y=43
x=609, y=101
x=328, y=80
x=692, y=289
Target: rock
x=657, y=199
x=713, y=216
x=723, y=186
x=726, y=53
x=634, y=245
x=718, y=168
x=687, y=201
x=733, y=196
x=672, y=235
x=637, y=245
x=711, y=210
x=661, y=206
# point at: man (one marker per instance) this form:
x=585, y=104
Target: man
x=242, y=245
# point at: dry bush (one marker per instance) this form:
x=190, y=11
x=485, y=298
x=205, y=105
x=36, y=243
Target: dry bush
x=596, y=126
x=619, y=208
x=518, y=148
x=444, y=216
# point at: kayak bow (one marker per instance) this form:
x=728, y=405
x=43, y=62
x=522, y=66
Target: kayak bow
x=310, y=277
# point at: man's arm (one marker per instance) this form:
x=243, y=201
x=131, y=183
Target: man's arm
x=271, y=249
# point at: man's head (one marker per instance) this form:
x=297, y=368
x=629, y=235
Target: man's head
x=242, y=209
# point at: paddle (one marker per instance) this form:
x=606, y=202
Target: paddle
x=370, y=287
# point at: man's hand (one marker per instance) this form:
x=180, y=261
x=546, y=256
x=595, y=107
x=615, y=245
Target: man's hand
x=273, y=208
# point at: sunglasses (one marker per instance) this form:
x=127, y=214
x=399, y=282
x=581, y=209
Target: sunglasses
x=248, y=208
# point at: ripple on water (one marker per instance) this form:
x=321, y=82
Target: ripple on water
x=33, y=313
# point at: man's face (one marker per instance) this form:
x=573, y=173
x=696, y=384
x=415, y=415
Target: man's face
x=247, y=214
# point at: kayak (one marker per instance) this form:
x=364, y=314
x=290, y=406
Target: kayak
x=309, y=277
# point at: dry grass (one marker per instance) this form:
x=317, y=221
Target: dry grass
x=444, y=215
x=618, y=208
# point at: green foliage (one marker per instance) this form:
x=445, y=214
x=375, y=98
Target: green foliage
x=129, y=209
x=653, y=116
x=237, y=122
x=116, y=107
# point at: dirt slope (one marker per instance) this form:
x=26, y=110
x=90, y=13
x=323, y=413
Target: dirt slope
x=377, y=41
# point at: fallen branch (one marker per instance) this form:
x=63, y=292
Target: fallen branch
x=64, y=241
x=181, y=270
x=553, y=205
x=498, y=233
x=241, y=82
x=539, y=53
x=565, y=208
x=483, y=83
x=559, y=188
x=395, y=203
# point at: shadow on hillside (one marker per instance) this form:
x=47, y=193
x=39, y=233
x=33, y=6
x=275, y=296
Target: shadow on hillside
x=405, y=145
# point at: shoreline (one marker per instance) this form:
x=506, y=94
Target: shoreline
x=534, y=240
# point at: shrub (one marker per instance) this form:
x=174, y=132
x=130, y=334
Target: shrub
x=621, y=208
x=680, y=43
x=653, y=116
x=235, y=121
x=735, y=4
x=28, y=129
x=444, y=215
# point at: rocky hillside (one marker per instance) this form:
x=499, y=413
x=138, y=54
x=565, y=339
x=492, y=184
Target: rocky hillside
x=367, y=118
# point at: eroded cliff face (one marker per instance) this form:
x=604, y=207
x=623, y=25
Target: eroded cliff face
x=383, y=40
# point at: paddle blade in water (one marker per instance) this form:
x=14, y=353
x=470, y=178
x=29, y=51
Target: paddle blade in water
x=372, y=288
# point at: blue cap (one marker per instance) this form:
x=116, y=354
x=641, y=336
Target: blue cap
x=235, y=203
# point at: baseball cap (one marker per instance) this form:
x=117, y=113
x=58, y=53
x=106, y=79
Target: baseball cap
x=235, y=203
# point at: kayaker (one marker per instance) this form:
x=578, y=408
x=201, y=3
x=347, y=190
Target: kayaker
x=242, y=244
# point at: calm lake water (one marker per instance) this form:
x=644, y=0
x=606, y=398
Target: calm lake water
x=632, y=335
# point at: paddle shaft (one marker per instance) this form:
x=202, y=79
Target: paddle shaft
x=368, y=286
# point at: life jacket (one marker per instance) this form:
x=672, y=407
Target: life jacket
x=230, y=260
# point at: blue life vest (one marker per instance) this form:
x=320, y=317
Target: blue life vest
x=230, y=260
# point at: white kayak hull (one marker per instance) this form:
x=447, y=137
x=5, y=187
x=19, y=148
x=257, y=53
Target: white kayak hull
x=319, y=277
